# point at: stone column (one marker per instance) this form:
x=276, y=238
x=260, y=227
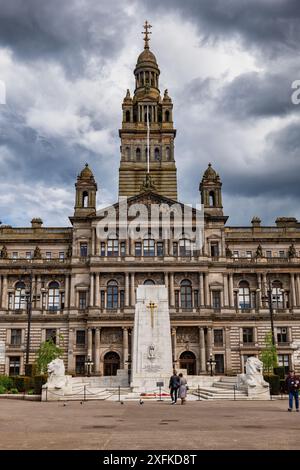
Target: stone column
x=167, y=285
x=209, y=342
x=293, y=291
x=67, y=290
x=125, y=347
x=228, y=364
x=202, y=300
x=264, y=284
x=90, y=343
x=71, y=357
x=126, y=289
x=91, y=289
x=132, y=294
x=172, y=294
x=207, y=293
x=4, y=292
x=93, y=251
x=202, y=350
x=174, y=342
x=231, y=297
x=97, y=350
x=97, y=288
x=298, y=289
x=259, y=293
x=72, y=293
x=225, y=277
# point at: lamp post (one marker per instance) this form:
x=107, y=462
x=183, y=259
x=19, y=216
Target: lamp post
x=28, y=294
x=211, y=363
x=268, y=298
x=88, y=363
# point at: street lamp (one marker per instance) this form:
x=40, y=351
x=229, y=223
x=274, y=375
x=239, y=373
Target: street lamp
x=88, y=364
x=211, y=363
x=28, y=296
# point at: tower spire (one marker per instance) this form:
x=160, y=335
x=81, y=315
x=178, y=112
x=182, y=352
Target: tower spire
x=146, y=33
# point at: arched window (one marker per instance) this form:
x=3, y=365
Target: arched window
x=277, y=294
x=187, y=360
x=186, y=293
x=212, y=199
x=149, y=282
x=156, y=154
x=127, y=153
x=152, y=78
x=85, y=199
x=147, y=78
x=138, y=154
x=168, y=154
x=167, y=116
x=53, y=296
x=112, y=294
x=244, y=295
x=127, y=116
x=20, y=296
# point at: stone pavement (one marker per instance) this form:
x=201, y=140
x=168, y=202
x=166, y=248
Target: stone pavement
x=153, y=425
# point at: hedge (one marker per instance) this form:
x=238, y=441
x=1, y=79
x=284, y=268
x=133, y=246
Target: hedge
x=38, y=382
x=6, y=382
x=22, y=383
x=274, y=381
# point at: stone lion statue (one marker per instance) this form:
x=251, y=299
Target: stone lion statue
x=56, y=374
x=253, y=376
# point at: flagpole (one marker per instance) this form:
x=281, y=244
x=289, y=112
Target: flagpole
x=148, y=141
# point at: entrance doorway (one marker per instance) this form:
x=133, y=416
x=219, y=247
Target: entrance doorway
x=111, y=363
x=187, y=361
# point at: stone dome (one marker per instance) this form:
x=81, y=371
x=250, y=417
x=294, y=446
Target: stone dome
x=86, y=172
x=146, y=56
x=210, y=173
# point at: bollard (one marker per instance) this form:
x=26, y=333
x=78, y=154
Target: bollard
x=119, y=392
x=84, y=393
x=198, y=392
x=234, y=392
x=160, y=393
x=47, y=394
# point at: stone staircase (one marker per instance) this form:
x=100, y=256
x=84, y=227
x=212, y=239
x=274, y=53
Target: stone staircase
x=224, y=389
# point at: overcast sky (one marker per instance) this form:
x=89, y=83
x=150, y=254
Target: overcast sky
x=228, y=65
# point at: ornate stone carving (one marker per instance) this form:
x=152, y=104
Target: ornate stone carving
x=187, y=334
x=228, y=252
x=4, y=254
x=259, y=252
x=111, y=335
x=37, y=253
x=292, y=251
x=253, y=377
x=56, y=375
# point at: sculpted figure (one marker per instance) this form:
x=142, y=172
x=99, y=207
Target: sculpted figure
x=254, y=371
x=56, y=374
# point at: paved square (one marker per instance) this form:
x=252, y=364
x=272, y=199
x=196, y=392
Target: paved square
x=155, y=425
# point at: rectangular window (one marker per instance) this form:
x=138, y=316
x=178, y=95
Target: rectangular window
x=102, y=249
x=149, y=247
x=219, y=367
x=113, y=247
x=16, y=337
x=48, y=254
x=282, y=335
x=281, y=254
x=50, y=334
x=235, y=254
x=102, y=299
x=15, y=255
x=184, y=248
x=175, y=249
x=218, y=337
x=122, y=299
x=176, y=299
x=248, y=254
x=138, y=249
x=123, y=248
x=80, y=365
x=269, y=254
x=196, y=298
x=82, y=300
x=14, y=365
x=216, y=299
x=284, y=361
x=247, y=335
x=160, y=248
x=28, y=255
x=61, y=255
x=214, y=249
x=83, y=250
x=80, y=338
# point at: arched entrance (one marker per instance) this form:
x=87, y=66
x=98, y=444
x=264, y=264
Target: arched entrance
x=187, y=361
x=111, y=363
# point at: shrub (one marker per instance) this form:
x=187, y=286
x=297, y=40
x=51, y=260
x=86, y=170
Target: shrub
x=14, y=390
x=39, y=381
x=280, y=372
x=274, y=382
x=22, y=383
x=6, y=382
x=30, y=392
x=2, y=390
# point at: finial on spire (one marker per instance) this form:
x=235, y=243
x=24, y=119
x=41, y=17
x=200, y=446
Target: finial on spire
x=147, y=27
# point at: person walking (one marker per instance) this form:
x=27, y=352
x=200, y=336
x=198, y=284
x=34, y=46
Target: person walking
x=292, y=384
x=183, y=389
x=174, y=386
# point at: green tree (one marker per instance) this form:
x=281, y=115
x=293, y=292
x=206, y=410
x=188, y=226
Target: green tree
x=46, y=353
x=269, y=355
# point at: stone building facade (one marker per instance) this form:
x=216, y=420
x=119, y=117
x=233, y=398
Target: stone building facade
x=80, y=288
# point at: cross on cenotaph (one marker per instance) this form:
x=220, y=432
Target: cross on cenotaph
x=152, y=306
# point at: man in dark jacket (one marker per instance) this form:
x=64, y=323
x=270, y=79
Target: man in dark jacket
x=174, y=385
x=292, y=384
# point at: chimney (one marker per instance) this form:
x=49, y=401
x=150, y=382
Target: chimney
x=36, y=223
